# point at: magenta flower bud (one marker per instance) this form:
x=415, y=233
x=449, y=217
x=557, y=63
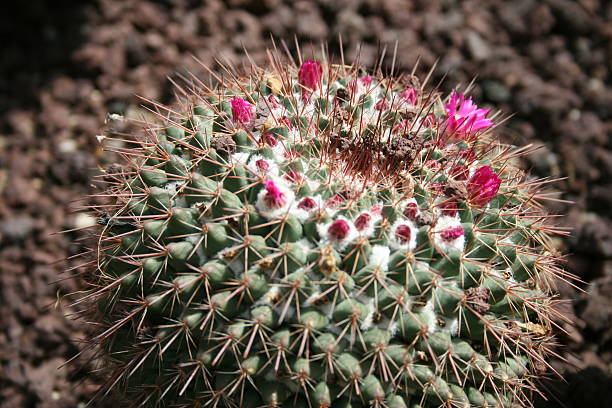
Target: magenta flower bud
x=433, y=164
x=307, y=204
x=284, y=120
x=411, y=211
x=429, y=120
x=269, y=139
x=376, y=209
x=273, y=102
x=382, y=105
x=402, y=126
x=449, y=208
x=464, y=117
x=363, y=221
x=468, y=155
x=403, y=233
x=274, y=197
x=262, y=165
x=452, y=233
x=291, y=155
x=366, y=80
x=334, y=201
x=338, y=230
x=293, y=176
x=242, y=111
x=310, y=74
x=409, y=95
x=483, y=186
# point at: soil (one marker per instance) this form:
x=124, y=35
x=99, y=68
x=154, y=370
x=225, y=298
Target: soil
x=68, y=64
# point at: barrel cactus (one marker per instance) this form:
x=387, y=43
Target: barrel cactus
x=313, y=236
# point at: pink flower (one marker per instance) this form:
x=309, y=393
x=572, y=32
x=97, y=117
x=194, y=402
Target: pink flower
x=284, y=120
x=310, y=74
x=464, y=117
x=269, y=139
x=273, y=101
x=293, y=176
x=409, y=95
x=338, y=230
x=452, y=233
x=242, y=111
x=376, y=209
x=411, y=211
x=262, y=165
x=429, y=120
x=334, y=201
x=307, y=204
x=483, y=186
x=403, y=234
x=402, y=126
x=449, y=208
x=381, y=105
x=433, y=164
x=366, y=80
x=363, y=221
x=274, y=197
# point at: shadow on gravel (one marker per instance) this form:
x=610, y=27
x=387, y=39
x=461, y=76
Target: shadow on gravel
x=587, y=388
x=39, y=37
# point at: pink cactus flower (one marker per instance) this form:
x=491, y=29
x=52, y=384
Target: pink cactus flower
x=483, y=186
x=274, y=197
x=338, y=230
x=291, y=155
x=273, y=102
x=366, y=80
x=293, y=176
x=376, y=209
x=269, y=139
x=411, y=211
x=242, y=111
x=262, y=165
x=432, y=164
x=363, y=221
x=307, y=204
x=429, y=120
x=464, y=117
x=382, y=105
x=402, y=126
x=449, y=208
x=403, y=234
x=409, y=96
x=285, y=121
x=310, y=74
x=452, y=233
x=334, y=201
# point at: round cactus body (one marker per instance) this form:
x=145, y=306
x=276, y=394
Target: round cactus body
x=317, y=237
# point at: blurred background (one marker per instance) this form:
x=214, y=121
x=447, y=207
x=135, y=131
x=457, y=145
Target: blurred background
x=64, y=65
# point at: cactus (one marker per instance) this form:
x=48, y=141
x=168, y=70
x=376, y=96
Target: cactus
x=311, y=236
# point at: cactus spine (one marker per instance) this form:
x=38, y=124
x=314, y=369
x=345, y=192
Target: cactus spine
x=310, y=236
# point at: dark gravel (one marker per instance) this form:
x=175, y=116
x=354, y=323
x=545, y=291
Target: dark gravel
x=66, y=64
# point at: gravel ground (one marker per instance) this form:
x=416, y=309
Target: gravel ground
x=70, y=63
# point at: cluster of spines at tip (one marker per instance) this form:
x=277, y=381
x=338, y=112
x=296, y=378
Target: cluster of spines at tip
x=320, y=238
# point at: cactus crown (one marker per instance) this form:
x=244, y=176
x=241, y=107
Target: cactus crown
x=311, y=236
